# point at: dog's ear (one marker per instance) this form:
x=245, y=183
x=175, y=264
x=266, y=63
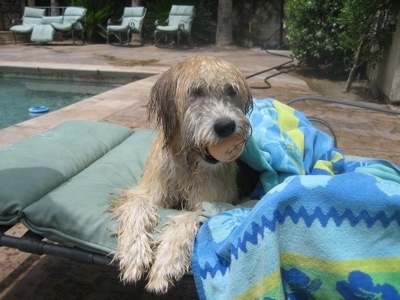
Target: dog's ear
x=162, y=107
x=248, y=107
x=249, y=104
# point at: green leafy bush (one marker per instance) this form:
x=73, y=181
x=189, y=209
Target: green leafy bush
x=339, y=36
x=368, y=30
x=314, y=34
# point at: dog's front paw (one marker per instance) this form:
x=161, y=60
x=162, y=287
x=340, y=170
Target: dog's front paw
x=169, y=265
x=134, y=260
x=134, y=248
x=159, y=282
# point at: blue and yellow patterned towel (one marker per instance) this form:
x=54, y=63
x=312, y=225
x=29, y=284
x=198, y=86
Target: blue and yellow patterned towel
x=324, y=227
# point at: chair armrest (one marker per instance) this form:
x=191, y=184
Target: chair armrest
x=157, y=22
x=131, y=24
x=113, y=21
x=16, y=22
x=76, y=24
x=182, y=25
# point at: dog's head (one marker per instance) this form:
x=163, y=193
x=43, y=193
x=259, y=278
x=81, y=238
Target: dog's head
x=198, y=103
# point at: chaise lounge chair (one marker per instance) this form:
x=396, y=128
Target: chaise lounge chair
x=44, y=32
x=310, y=233
x=131, y=21
x=32, y=16
x=71, y=22
x=178, y=23
x=67, y=182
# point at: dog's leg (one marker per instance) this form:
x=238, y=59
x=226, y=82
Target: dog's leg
x=174, y=251
x=137, y=216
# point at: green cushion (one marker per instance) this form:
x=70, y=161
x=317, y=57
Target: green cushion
x=62, y=27
x=34, y=167
x=22, y=28
x=74, y=214
x=60, y=182
x=118, y=28
x=77, y=12
x=42, y=33
x=52, y=19
x=34, y=13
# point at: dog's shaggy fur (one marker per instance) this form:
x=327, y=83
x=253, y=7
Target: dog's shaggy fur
x=195, y=104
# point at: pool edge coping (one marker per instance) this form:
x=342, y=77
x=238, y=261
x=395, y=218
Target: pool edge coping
x=104, y=101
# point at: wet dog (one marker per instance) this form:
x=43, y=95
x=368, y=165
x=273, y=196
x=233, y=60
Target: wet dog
x=195, y=104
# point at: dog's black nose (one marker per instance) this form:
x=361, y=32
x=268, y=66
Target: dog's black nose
x=224, y=127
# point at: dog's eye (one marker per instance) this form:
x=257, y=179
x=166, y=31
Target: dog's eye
x=230, y=91
x=197, y=92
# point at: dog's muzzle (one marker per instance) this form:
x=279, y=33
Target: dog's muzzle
x=229, y=146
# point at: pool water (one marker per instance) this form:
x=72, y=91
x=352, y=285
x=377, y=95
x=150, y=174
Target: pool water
x=18, y=95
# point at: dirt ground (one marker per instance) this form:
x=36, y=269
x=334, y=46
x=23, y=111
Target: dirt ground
x=334, y=88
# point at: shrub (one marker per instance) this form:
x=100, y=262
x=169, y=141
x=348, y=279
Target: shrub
x=314, y=35
x=368, y=28
x=339, y=36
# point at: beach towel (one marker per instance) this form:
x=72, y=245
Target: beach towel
x=321, y=226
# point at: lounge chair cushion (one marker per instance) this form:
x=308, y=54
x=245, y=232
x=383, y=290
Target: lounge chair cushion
x=59, y=183
x=62, y=27
x=34, y=167
x=71, y=17
x=173, y=28
x=180, y=21
x=118, y=28
x=52, y=19
x=22, y=28
x=42, y=33
x=132, y=18
x=180, y=16
x=31, y=17
x=73, y=14
x=75, y=213
x=67, y=27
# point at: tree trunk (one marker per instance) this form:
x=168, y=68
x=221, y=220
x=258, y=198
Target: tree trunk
x=135, y=2
x=224, y=25
x=353, y=70
x=54, y=10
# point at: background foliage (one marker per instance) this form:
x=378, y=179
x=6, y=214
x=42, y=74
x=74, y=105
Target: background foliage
x=314, y=34
x=97, y=15
x=327, y=35
x=204, y=25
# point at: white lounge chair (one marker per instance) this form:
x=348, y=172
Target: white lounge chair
x=32, y=16
x=131, y=21
x=72, y=21
x=179, y=22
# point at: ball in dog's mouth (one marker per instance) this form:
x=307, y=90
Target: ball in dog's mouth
x=227, y=150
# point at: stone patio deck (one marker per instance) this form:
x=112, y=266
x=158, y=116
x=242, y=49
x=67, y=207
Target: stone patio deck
x=359, y=132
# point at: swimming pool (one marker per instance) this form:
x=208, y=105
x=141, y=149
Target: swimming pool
x=17, y=96
x=19, y=91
